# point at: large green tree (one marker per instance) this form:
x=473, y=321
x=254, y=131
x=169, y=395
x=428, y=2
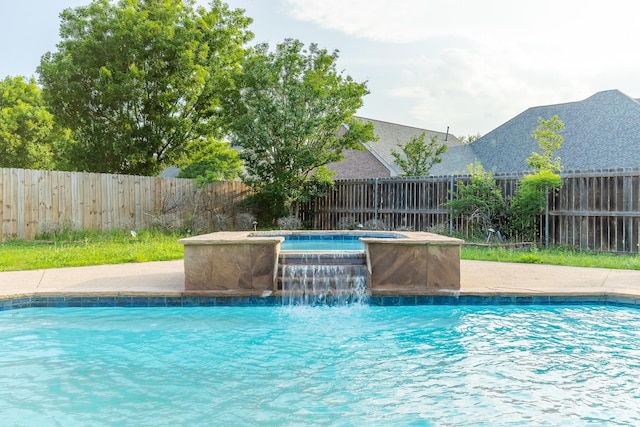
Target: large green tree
x=418, y=156
x=293, y=115
x=139, y=80
x=28, y=134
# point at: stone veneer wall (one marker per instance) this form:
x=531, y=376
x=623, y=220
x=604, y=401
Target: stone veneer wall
x=414, y=267
x=239, y=263
x=230, y=262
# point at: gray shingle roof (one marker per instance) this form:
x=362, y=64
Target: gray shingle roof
x=455, y=161
x=601, y=132
x=359, y=164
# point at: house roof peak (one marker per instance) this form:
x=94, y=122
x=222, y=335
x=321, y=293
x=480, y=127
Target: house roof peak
x=387, y=123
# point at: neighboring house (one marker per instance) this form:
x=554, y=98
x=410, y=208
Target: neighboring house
x=376, y=160
x=601, y=132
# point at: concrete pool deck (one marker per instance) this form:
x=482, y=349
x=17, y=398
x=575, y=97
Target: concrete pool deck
x=167, y=278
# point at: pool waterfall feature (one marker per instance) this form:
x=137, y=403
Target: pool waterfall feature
x=253, y=264
x=318, y=278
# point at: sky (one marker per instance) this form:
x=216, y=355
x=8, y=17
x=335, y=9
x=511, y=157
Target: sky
x=466, y=65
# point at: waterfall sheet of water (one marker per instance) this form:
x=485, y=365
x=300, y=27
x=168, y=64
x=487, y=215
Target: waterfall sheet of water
x=316, y=284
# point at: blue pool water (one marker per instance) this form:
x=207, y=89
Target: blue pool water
x=353, y=366
x=322, y=245
x=328, y=242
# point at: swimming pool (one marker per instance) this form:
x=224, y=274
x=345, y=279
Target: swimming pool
x=328, y=242
x=358, y=365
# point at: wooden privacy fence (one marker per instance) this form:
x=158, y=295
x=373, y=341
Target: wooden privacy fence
x=597, y=211
x=37, y=201
x=594, y=210
x=399, y=203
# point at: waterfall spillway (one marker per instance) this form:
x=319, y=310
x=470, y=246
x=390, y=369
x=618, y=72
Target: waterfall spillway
x=318, y=278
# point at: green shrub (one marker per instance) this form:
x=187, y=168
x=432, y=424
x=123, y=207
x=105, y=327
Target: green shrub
x=289, y=223
x=480, y=201
x=530, y=201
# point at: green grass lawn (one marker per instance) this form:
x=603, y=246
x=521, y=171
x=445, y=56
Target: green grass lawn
x=80, y=248
x=74, y=249
x=554, y=256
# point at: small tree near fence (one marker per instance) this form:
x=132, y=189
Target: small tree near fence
x=418, y=156
x=532, y=196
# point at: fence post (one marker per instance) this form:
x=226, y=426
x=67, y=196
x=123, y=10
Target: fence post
x=546, y=217
x=451, y=200
x=375, y=200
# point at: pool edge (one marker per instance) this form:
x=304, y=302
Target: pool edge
x=137, y=300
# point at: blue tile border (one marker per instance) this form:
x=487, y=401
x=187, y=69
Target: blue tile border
x=256, y=301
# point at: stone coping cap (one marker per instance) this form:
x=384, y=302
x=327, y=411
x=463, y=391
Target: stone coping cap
x=275, y=237
x=231, y=238
x=416, y=237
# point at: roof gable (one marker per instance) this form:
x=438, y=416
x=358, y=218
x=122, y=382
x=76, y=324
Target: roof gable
x=391, y=135
x=376, y=160
x=359, y=164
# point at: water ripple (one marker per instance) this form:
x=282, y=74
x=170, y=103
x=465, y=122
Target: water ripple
x=320, y=365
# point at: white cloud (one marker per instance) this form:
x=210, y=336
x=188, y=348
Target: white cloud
x=380, y=20
x=402, y=21
x=570, y=35
x=481, y=63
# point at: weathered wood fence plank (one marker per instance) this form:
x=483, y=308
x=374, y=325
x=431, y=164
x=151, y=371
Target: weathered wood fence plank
x=34, y=201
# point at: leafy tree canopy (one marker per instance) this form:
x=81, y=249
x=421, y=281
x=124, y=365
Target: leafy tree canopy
x=27, y=130
x=294, y=113
x=419, y=155
x=221, y=162
x=139, y=80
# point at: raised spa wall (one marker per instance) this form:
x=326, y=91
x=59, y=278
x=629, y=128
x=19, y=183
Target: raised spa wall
x=246, y=263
